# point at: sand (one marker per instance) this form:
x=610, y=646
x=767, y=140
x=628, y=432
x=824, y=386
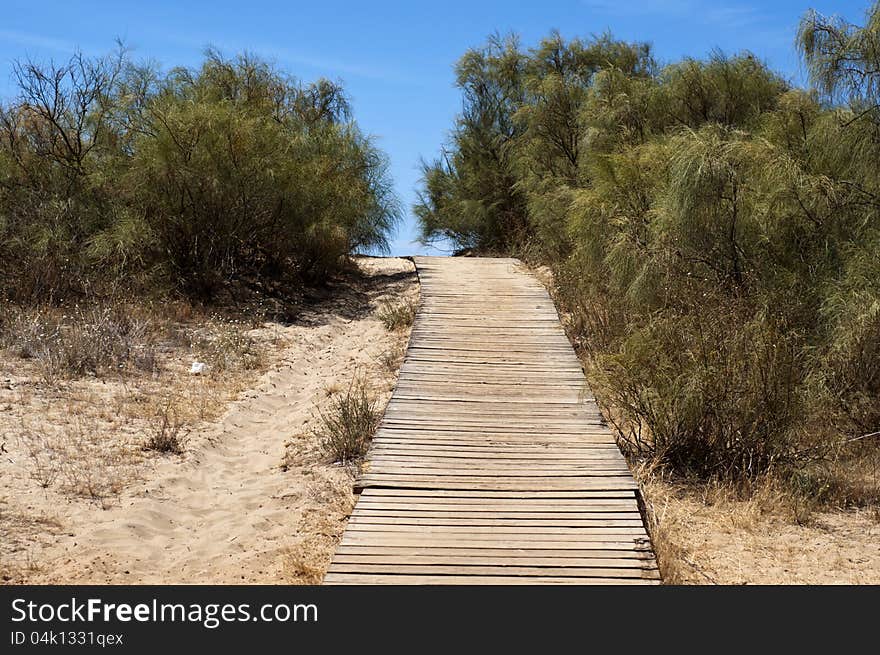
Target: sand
x=254, y=499
x=739, y=542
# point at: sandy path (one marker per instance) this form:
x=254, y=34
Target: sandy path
x=229, y=512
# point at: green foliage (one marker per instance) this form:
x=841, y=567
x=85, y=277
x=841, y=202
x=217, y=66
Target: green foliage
x=470, y=195
x=114, y=175
x=713, y=233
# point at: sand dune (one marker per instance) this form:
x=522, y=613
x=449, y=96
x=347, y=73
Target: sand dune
x=254, y=499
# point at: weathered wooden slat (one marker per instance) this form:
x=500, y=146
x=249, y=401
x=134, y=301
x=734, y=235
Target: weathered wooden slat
x=481, y=495
x=530, y=508
x=488, y=482
x=410, y=507
x=599, y=469
x=468, y=531
x=483, y=569
x=493, y=553
x=404, y=513
x=494, y=435
x=378, y=578
x=440, y=558
x=483, y=458
x=561, y=523
x=463, y=540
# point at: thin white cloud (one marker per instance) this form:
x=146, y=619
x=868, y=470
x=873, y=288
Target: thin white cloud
x=734, y=14
x=327, y=66
x=636, y=8
x=37, y=41
x=752, y=19
x=330, y=64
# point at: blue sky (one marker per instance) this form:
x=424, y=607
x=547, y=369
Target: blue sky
x=395, y=58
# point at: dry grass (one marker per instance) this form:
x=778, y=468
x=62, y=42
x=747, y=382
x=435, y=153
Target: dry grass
x=333, y=388
x=763, y=532
x=849, y=479
x=97, y=341
x=227, y=346
x=396, y=316
x=392, y=358
x=300, y=565
x=79, y=456
x=168, y=432
x=306, y=561
x=88, y=396
x=811, y=525
x=346, y=427
x=17, y=561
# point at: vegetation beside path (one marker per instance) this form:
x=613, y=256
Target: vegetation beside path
x=712, y=231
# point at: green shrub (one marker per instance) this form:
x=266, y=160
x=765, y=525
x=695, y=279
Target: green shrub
x=119, y=176
x=713, y=233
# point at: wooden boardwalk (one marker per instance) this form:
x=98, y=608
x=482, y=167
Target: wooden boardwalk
x=491, y=464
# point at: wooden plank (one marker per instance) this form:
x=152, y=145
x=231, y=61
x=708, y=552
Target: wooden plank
x=548, y=430
x=501, y=450
x=552, y=463
x=484, y=569
x=560, y=522
x=406, y=508
x=500, y=554
x=480, y=495
x=411, y=506
x=434, y=459
x=439, y=557
x=490, y=483
x=493, y=532
x=373, y=578
x=577, y=517
x=451, y=436
x=547, y=542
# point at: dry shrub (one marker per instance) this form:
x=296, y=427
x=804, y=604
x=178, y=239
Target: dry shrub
x=300, y=565
x=227, y=346
x=82, y=457
x=321, y=527
x=708, y=395
x=397, y=316
x=44, y=459
x=167, y=434
x=347, y=426
x=392, y=358
x=849, y=479
x=79, y=342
